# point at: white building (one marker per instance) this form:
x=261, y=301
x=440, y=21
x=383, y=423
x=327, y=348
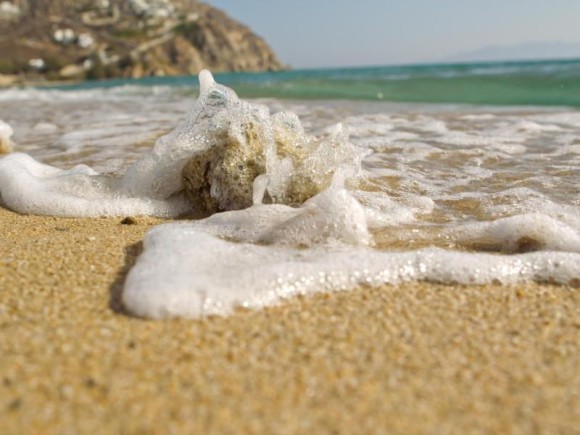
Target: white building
x=85, y=40
x=9, y=11
x=38, y=64
x=152, y=8
x=64, y=36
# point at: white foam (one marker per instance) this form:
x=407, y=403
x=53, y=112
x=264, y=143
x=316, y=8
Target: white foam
x=30, y=187
x=529, y=231
x=257, y=257
x=201, y=274
x=295, y=167
x=45, y=127
x=158, y=173
x=332, y=216
x=505, y=182
x=381, y=210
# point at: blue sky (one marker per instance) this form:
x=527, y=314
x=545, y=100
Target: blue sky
x=325, y=33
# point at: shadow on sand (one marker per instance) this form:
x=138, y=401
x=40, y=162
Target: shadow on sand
x=116, y=289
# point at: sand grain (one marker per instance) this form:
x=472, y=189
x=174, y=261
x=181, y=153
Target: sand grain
x=405, y=359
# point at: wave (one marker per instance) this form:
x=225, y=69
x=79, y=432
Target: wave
x=459, y=198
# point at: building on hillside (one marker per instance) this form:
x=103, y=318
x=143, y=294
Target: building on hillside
x=9, y=11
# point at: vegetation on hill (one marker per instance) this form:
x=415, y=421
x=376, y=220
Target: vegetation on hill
x=75, y=40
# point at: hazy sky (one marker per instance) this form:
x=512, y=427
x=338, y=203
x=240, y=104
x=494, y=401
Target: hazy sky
x=319, y=33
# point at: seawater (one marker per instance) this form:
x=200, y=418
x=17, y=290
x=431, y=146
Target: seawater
x=469, y=194
x=540, y=83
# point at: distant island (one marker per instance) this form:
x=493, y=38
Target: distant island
x=520, y=52
x=93, y=39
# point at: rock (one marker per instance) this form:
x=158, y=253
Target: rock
x=8, y=80
x=5, y=142
x=129, y=220
x=221, y=178
x=137, y=71
x=5, y=146
x=224, y=44
x=240, y=154
x=71, y=71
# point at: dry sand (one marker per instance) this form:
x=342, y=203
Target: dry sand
x=417, y=358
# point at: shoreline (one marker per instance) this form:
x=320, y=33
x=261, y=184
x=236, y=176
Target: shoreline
x=410, y=358
x=15, y=81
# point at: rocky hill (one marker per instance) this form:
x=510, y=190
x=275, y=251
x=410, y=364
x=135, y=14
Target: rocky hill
x=74, y=40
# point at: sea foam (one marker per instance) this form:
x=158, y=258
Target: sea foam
x=215, y=157
x=186, y=271
x=30, y=187
x=300, y=214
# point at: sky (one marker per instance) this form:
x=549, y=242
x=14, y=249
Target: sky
x=330, y=33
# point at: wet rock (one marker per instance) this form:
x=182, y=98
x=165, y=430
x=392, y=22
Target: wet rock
x=5, y=142
x=221, y=177
x=129, y=220
x=235, y=142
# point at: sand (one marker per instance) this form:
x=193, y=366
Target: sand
x=415, y=358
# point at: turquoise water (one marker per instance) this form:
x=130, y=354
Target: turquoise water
x=539, y=83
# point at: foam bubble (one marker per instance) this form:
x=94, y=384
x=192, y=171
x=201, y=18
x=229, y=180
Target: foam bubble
x=521, y=233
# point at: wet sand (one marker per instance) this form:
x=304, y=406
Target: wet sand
x=414, y=358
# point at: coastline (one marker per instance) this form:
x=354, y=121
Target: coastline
x=411, y=358
x=16, y=81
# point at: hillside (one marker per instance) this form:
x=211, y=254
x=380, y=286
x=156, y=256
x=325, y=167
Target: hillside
x=74, y=40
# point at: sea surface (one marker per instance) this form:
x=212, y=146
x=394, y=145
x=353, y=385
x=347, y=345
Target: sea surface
x=463, y=174
x=542, y=83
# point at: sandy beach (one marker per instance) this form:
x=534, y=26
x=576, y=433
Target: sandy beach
x=417, y=358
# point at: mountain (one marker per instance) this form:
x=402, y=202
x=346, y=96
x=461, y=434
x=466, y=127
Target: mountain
x=74, y=40
x=527, y=51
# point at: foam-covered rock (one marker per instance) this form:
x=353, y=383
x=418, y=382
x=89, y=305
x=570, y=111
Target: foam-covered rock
x=216, y=156
x=233, y=142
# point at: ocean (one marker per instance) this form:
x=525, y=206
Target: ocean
x=541, y=83
x=319, y=180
